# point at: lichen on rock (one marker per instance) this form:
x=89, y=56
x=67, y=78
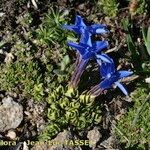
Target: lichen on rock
x=11, y=114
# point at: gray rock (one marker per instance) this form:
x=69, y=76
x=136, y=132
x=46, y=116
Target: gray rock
x=110, y=143
x=11, y=114
x=94, y=137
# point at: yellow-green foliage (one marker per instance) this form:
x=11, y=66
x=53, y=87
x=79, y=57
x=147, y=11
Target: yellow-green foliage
x=135, y=125
x=67, y=107
x=108, y=7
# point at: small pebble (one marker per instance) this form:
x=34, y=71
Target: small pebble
x=2, y=14
x=147, y=80
x=11, y=134
x=81, y=6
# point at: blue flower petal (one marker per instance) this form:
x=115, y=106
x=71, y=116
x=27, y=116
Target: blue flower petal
x=122, y=88
x=103, y=71
x=78, y=47
x=72, y=28
x=99, y=61
x=88, y=55
x=79, y=21
x=98, y=29
x=106, y=69
x=86, y=38
x=104, y=58
x=111, y=68
x=105, y=84
x=123, y=74
x=101, y=31
x=100, y=45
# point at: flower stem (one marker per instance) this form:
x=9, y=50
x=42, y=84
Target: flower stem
x=95, y=91
x=81, y=65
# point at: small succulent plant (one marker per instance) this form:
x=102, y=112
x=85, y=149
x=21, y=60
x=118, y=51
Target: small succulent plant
x=68, y=107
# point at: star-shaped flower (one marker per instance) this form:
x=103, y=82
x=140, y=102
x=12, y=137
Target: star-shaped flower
x=87, y=49
x=112, y=76
x=79, y=27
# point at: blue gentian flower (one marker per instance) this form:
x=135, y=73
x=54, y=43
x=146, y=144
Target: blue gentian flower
x=112, y=76
x=79, y=27
x=91, y=51
x=87, y=49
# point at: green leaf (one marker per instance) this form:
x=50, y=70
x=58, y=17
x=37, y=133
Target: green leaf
x=65, y=62
x=148, y=41
x=70, y=92
x=143, y=34
x=1, y=44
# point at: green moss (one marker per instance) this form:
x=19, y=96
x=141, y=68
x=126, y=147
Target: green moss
x=141, y=7
x=22, y=77
x=135, y=125
x=21, y=2
x=109, y=7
